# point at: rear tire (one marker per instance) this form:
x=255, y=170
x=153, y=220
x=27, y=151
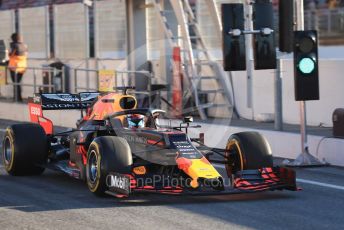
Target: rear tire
x=25, y=148
x=247, y=150
x=106, y=154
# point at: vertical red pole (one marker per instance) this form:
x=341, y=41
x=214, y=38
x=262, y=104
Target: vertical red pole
x=177, y=93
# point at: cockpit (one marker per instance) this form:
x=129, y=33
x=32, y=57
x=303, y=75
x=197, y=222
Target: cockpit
x=134, y=119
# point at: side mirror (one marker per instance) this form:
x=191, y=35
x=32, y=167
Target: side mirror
x=188, y=119
x=156, y=115
x=157, y=112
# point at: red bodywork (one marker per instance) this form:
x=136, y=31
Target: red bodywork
x=36, y=116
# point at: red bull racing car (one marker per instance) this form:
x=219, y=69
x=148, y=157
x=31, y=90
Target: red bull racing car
x=120, y=150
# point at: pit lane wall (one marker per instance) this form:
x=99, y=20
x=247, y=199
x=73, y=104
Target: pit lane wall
x=318, y=112
x=283, y=144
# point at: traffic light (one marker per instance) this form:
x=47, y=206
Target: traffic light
x=286, y=25
x=306, y=71
x=264, y=42
x=233, y=45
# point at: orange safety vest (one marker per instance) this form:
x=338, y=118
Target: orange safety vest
x=17, y=63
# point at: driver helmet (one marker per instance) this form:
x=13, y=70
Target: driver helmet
x=135, y=121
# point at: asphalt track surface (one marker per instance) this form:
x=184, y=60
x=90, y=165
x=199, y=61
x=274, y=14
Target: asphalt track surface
x=55, y=201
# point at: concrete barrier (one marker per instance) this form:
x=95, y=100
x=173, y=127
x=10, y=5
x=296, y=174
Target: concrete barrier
x=20, y=112
x=283, y=144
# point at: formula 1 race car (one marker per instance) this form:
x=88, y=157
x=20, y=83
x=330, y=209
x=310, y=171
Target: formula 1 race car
x=118, y=149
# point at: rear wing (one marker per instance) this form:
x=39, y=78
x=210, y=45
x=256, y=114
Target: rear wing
x=62, y=101
x=58, y=101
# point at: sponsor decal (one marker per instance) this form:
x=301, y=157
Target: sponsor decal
x=141, y=170
x=88, y=97
x=64, y=106
x=186, y=149
x=203, y=169
x=35, y=110
x=118, y=183
x=66, y=101
x=135, y=139
x=62, y=97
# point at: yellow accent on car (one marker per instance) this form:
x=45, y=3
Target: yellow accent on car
x=201, y=168
x=11, y=139
x=96, y=146
x=194, y=183
x=235, y=143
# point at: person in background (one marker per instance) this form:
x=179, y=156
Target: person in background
x=311, y=5
x=331, y=4
x=18, y=63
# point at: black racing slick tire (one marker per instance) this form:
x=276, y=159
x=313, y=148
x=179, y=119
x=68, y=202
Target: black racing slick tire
x=106, y=154
x=24, y=149
x=248, y=150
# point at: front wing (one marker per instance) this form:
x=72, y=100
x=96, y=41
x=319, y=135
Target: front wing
x=246, y=181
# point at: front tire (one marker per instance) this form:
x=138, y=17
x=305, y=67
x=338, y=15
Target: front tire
x=106, y=154
x=247, y=150
x=25, y=148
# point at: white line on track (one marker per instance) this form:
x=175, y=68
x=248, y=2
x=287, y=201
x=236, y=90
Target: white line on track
x=320, y=184
x=304, y=181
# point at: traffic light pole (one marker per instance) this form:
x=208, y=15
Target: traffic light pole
x=303, y=116
x=249, y=54
x=278, y=95
x=303, y=127
x=305, y=158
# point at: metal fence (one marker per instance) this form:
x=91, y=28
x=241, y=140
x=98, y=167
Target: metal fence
x=74, y=80
x=88, y=80
x=42, y=79
x=329, y=23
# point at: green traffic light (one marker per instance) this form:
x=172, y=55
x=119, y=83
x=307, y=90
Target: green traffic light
x=306, y=65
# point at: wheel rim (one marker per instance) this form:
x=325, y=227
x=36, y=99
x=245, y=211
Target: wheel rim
x=233, y=146
x=8, y=151
x=92, y=167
